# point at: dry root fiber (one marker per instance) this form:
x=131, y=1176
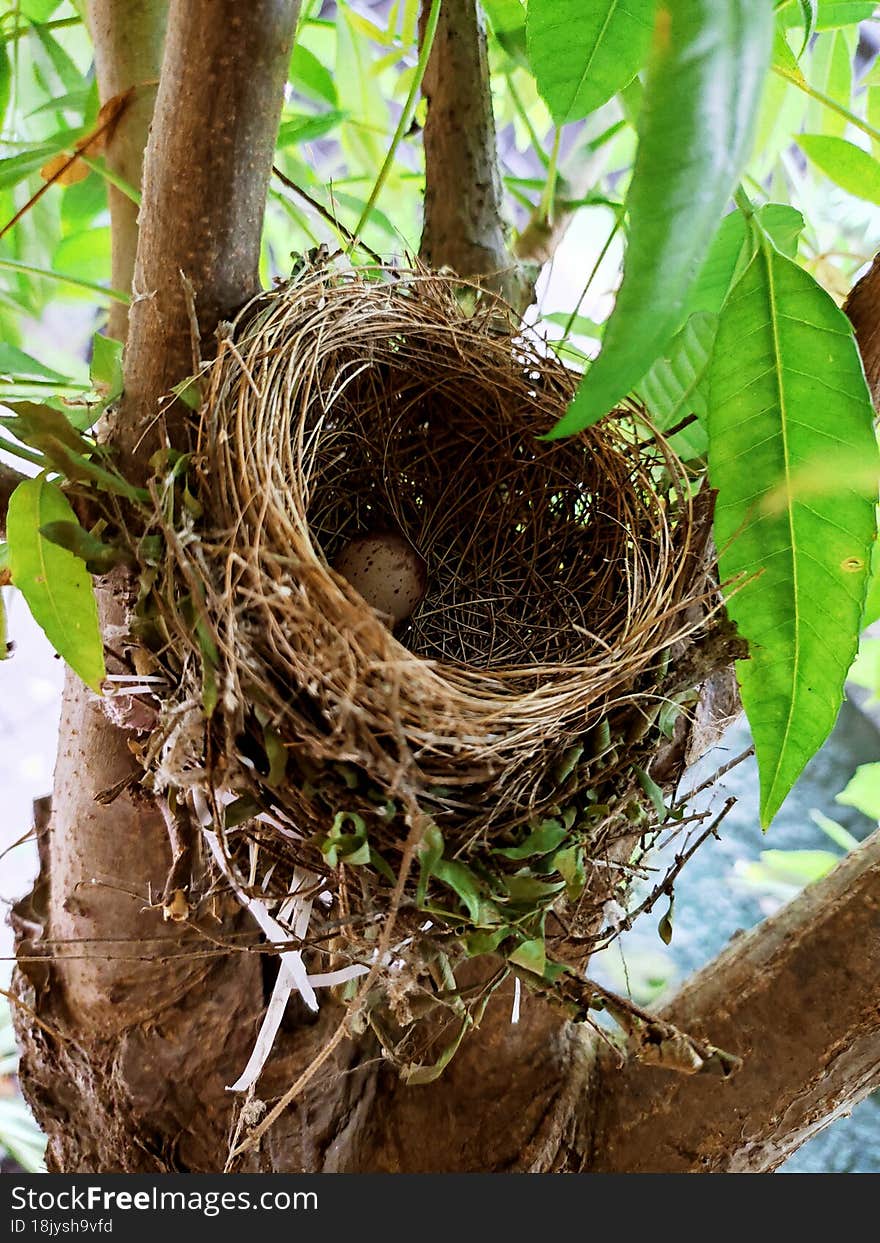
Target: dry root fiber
x=504, y=728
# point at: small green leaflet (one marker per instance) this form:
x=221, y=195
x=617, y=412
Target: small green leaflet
x=106, y=367
x=704, y=85
x=55, y=583
x=852, y=168
x=803, y=563
x=584, y=53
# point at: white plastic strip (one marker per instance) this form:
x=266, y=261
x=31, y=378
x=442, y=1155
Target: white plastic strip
x=517, y=998
x=284, y=986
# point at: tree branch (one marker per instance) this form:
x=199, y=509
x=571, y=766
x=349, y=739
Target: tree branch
x=463, y=224
x=863, y=308
x=206, y=174
x=127, y=36
x=798, y=998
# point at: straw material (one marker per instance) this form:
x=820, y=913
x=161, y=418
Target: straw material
x=486, y=759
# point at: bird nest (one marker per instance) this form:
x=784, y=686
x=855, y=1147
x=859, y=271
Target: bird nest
x=471, y=746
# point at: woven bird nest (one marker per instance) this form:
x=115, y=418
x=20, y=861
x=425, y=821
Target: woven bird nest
x=484, y=757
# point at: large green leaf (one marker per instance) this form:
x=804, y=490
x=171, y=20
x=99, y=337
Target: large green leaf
x=786, y=388
x=704, y=85
x=853, y=169
x=831, y=14
x=584, y=51
x=55, y=583
x=733, y=248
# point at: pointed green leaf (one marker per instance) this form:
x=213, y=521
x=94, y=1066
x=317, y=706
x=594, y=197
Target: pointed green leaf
x=853, y=169
x=705, y=80
x=548, y=835
x=675, y=386
x=787, y=386
x=98, y=556
x=532, y=955
x=106, y=368
x=582, y=54
x=55, y=583
x=430, y=853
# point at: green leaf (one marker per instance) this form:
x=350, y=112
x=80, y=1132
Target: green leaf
x=733, y=247
x=835, y=13
x=106, y=369
x=55, y=583
x=16, y=167
x=68, y=74
x=528, y=891
x=863, y=791
x=486, y=942
x=460, y=878
x=810, y=14
x=569, y=863
x=654, y=793
x=505, y=15
x=853, y=169
x=38, y=10
x=430, y=853
x=676, y=384
x=311, y=77
x=17, y=365
x=548, y=835
x=787, y=385
x=664, y=928
x=5, y=82
x=838, y=834
x=98, y=556
x=532, y=955
x=831, y=15
x=583, y=54
x=306, y=128
x=704, y=86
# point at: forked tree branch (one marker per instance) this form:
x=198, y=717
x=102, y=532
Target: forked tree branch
x=463, y=223
x=798, y=998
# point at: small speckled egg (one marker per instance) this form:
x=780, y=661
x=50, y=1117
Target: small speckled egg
x=387, y=571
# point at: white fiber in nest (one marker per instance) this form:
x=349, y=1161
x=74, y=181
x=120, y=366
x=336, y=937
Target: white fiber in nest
x=292, y=923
